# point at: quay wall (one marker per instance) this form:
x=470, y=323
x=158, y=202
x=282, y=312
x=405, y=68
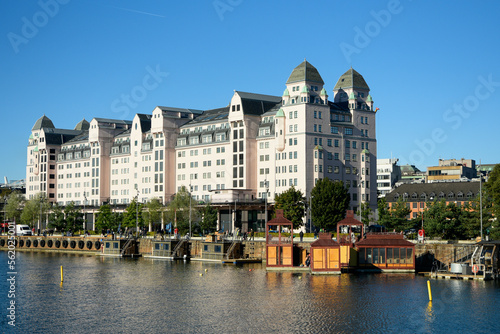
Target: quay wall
x=425, y=254
x=90, y=245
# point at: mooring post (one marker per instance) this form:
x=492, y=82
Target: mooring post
x=62, y=276
x=429, y=289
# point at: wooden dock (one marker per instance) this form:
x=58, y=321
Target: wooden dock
x=460, y=276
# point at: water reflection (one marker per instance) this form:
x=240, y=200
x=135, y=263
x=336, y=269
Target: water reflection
x=102, y=294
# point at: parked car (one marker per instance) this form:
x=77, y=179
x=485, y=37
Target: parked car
x=23, y=229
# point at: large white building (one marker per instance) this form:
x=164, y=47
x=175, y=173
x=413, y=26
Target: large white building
x=388, y=173
x=224, y=155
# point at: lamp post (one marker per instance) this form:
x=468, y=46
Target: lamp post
x=310, y=213
x=84, y=214
x=190, y=198
x=40, y=221
x=137, y=214
x=265, y=198
x=481, y=200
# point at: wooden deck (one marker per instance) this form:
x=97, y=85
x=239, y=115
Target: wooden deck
x=460, y=276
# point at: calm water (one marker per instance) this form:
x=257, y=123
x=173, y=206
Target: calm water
x=125, y=296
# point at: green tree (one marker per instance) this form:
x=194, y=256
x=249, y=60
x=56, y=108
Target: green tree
x=291, y=202
x=133, y=214
x=329, y=203
x=104, y=218
x=13, y=208
x=152, y=213
x=31, y=213
x=365, y=213
x=208, y=218
x=384, y=215
x=74, y=217
x=35, y=210
x=443, y=220
x=57, y=219
x=396, y=216
x=471, y=216
x=178, y=210
x=493, y=192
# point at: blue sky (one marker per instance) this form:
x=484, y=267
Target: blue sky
x=430, y=65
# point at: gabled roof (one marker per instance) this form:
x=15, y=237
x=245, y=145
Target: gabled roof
x=305, y=72
x=434, y=188
x=185, y=110
x=257, y=104
x=84, y=136
x=351, y=79
x=213, y=115
x=109, y=120
x=385, y=239
x=43, y=122
x=145, y=121
x=325, y=240
x=59, y=136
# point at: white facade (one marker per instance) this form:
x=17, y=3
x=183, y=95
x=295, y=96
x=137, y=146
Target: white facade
x=388, y=173
x=294, y=139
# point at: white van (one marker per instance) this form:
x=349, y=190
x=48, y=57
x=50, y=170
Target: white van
x=23, y=229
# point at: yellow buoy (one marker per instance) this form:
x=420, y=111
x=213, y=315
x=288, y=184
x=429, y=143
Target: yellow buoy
x=201, y=274
x=206, y=270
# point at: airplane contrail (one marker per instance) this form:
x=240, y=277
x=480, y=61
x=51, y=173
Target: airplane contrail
x=138, y=11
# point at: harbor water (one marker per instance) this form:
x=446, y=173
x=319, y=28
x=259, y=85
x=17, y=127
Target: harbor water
x=115, y=295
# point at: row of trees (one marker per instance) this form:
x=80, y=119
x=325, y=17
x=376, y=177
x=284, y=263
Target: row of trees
x=71, y=217
x=330, y=200
x=450, y=221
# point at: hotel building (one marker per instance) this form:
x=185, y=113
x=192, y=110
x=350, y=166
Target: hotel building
x=234, y=155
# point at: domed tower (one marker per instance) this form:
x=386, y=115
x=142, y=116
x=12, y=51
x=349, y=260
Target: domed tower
x=42, y=122
x=351, y=83
x=304, y=84
x=83, y=125
x=279, y=129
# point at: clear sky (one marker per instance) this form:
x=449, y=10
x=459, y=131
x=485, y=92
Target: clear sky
x=432, y=66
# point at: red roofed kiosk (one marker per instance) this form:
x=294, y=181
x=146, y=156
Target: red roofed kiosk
x=279, y=244
x=325, y=255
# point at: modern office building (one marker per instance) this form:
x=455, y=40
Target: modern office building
x=452, y=170
x=388, y=173
x=255, y=147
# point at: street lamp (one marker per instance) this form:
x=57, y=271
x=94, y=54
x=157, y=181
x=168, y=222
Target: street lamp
x=40, y=221
x=84, y=214
x=190, y=198
x=137, y=213
x=310, y=213
x=481, y=200
x=266, y=185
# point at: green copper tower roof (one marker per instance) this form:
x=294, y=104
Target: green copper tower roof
x=351, y=96
x=286, y=93
x=323, y=91
x=351, y=79
x=305, y=89
x=280, y=113
x=82, y=125
x=305, y=72
x=43, y=122
x=369, y=98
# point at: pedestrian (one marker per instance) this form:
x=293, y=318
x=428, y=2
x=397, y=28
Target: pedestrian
x=308, y=260
x=251, y=235
x=301, y=234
